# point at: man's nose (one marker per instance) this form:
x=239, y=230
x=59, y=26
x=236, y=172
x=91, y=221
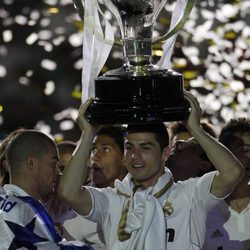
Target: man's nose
x=136, y=153
x=96, y=156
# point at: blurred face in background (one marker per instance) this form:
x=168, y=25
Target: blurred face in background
x=63, y=160
x=106, y=161
x=185, y=162
x=181, y=136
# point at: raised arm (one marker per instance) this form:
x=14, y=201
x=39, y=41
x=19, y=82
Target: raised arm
x=70, y=187
x=229, y=169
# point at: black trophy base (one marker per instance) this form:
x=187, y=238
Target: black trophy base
x=143, y=99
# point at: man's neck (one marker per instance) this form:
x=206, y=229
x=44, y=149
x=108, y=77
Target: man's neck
x=29, y=190
x=150, y=182
x=239, y=198
x=239, y=204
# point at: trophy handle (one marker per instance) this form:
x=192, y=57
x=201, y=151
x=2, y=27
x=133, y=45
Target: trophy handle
x=79, y=6
x=179, y=25
x=174, y=30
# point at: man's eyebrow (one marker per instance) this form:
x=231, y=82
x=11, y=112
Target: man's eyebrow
x=146, y=144
x=141, y=144
x=105, y=144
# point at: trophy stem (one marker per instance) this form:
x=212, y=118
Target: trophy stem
x=138, y=51
x=138, y=55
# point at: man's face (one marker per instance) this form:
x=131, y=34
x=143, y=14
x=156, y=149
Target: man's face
x=241, y=149
x=47, y=176
x=143, y=158
x=184, y=160
x=64, y=159
x=106, y=160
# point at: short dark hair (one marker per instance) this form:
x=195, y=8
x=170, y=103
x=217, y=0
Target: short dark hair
x=27, y=142
x=116, y=132
x=158, y=129
x=179, y=126
x=233, y=126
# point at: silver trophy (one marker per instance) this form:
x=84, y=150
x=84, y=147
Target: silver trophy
x=139, y=91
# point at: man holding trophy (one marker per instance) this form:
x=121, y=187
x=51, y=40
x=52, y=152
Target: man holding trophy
x=146, y=210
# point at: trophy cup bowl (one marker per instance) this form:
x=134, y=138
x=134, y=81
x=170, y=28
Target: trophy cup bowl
x=139, y=91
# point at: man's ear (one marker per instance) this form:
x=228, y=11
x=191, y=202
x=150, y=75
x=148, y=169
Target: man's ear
x=31, y=162
x=165, y=153
x=6, y=165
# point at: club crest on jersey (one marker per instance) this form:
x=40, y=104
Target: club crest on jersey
x=168, y=208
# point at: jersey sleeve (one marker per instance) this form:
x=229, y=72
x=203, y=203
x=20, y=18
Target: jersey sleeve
x=202, y=201
x=100, y=201
x=202, y=191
